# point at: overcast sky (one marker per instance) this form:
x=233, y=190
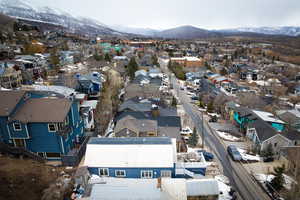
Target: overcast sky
x=161, y=14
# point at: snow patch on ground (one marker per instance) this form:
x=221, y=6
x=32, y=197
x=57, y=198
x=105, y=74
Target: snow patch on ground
x=227, y=136
x=223, y=187
x=269, y=177
x=248, y=157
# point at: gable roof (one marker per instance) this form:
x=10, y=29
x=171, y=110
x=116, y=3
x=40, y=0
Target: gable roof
x=132, y=105
x=9, y=100
x=43, y=110
x=264, y=131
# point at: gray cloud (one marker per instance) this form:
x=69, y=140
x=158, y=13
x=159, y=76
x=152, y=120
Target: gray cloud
x=211, y=14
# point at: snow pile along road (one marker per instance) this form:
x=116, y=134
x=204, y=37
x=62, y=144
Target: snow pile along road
x=227, y=136
x=248, y=157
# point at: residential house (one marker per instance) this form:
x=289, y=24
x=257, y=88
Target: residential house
x=10, y=78
x=291, y=117
x=138, y=157
x=156, y=189
x=263, y=134
x=49, y=127
x=90, y=84
x=187, y=61
x=149, y=124
x=244, y=116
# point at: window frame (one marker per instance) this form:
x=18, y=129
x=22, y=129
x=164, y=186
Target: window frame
x=148, y=172
x=17, y=123
x=99, y=171
x=163, y=172
x=120, y=170
x=55, y=126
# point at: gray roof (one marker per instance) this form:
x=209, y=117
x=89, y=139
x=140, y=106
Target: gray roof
x=133, y=106
x=291, y=134
x=9, y=100
x=43, y=110
x=131, y=140
x=264, y=130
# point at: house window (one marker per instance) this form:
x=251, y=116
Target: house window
x=146, y=174
x=51, y=127
x=103, y=171
x=165, y=173
x=17, y=126
x=52, y=155
x=120, y=173
x=275, y=144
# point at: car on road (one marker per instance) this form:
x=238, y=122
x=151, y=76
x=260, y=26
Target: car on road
x=234, y=153
x=187, y=131
x=195, y=98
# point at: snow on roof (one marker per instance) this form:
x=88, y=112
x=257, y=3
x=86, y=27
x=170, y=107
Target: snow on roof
x=91, y=103
x=266, y=116
x=202, y=187
x=188, y=58
x=54, y=88
x=80, y=96
x=112, y=152
x=135, y=189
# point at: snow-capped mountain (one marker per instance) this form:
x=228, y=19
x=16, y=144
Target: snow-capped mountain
x=283, y=30
x=133, y=30
x=30, y=10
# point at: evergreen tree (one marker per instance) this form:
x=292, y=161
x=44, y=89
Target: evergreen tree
x=132, y=68
x=268, y=152
x=119, y=53
x=278, y=181
x=210, y=107
x=174, y=102
x=193, y=140
x=107, y=57
x=54, y=59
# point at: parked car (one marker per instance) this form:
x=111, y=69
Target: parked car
x=207, y=155
x=234, y=153
x=268, y=159
x=187, y=131
x=195, y=98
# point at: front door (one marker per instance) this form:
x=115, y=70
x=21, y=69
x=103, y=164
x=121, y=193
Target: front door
x=19, y=143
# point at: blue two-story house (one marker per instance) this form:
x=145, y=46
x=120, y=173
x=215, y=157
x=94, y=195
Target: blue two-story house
x=50, y=127
x=139, y=157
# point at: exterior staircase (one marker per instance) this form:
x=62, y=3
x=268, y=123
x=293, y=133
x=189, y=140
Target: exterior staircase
x=17, y=151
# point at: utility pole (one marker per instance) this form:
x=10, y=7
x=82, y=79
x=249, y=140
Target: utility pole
x=202, y=129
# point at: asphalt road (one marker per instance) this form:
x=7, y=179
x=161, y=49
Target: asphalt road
x=239, y=178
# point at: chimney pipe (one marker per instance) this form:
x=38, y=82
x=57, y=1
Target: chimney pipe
x=159, y=183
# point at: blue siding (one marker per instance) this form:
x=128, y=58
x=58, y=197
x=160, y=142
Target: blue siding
x=197, y=170
x=278, y=127
x=41, y=140
x=17, y=134
x=4, y=136
x=133, y=172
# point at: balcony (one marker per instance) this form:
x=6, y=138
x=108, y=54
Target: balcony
x=64, y=131
x=74, y=156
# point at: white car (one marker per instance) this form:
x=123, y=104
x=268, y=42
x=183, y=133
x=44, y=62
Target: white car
x=187, y=131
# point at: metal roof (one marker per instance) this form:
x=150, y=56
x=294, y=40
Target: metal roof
x=131, y=140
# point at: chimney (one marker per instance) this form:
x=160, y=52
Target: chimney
x=159, y=183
